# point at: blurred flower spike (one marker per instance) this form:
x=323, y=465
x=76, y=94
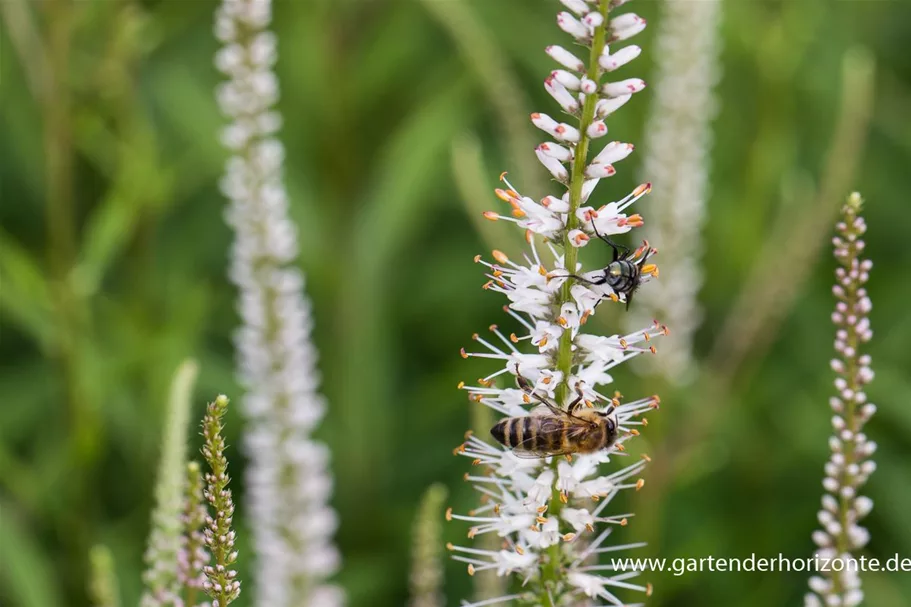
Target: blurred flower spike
x=288, y=483
x=553, y=513
x=850, y=464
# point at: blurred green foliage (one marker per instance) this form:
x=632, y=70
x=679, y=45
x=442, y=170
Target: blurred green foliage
x=113, y=257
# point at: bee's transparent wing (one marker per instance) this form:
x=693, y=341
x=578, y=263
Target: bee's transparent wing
x=524, y=451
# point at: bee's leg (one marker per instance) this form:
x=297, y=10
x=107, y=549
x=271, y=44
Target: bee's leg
x=553, y=408
x=529, y=389
x=616, y=247
x=523, y=383
x=574, y=406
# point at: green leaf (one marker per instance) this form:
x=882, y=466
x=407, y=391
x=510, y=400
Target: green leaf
x=404, y=189
x=473, y=183
x=27, y=572
x=492, y=69
x=24, y=292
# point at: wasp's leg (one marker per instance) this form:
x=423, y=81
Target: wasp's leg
x=597, y=282
x=616, y=247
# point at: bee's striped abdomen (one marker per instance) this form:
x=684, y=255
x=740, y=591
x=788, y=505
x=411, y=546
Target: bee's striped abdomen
x=498, y=432
x=531, y=433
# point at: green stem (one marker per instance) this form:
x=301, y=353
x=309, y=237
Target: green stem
x=552, y=571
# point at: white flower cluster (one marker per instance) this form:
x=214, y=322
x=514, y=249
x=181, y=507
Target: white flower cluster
x=850, y=465
x=551, y=511
x=288, y=484
x=677, y=161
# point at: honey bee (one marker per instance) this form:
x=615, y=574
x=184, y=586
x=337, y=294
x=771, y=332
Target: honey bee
x=556, y=431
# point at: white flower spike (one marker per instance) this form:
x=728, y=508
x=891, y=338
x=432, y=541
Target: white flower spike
x=687, y=49
x=288, y=483
x=550, y=504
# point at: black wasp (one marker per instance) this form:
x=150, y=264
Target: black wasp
x=625, y=272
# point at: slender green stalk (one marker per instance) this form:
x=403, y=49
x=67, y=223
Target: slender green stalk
x=551, y=572
x=426, y=557
x=104, y=589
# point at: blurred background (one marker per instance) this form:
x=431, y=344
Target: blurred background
x=113, y=254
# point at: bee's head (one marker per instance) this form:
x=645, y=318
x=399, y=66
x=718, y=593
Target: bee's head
x=610, y=418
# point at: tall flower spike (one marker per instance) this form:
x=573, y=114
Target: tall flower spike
x=221, y=581
x=193, y=555
x=850, y=464
x=288, y=480
x=552, y=512
x=677, y=161
x=161, y=577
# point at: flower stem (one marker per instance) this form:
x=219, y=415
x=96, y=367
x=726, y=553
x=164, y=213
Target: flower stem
x=552, y=571
x=577, y=179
